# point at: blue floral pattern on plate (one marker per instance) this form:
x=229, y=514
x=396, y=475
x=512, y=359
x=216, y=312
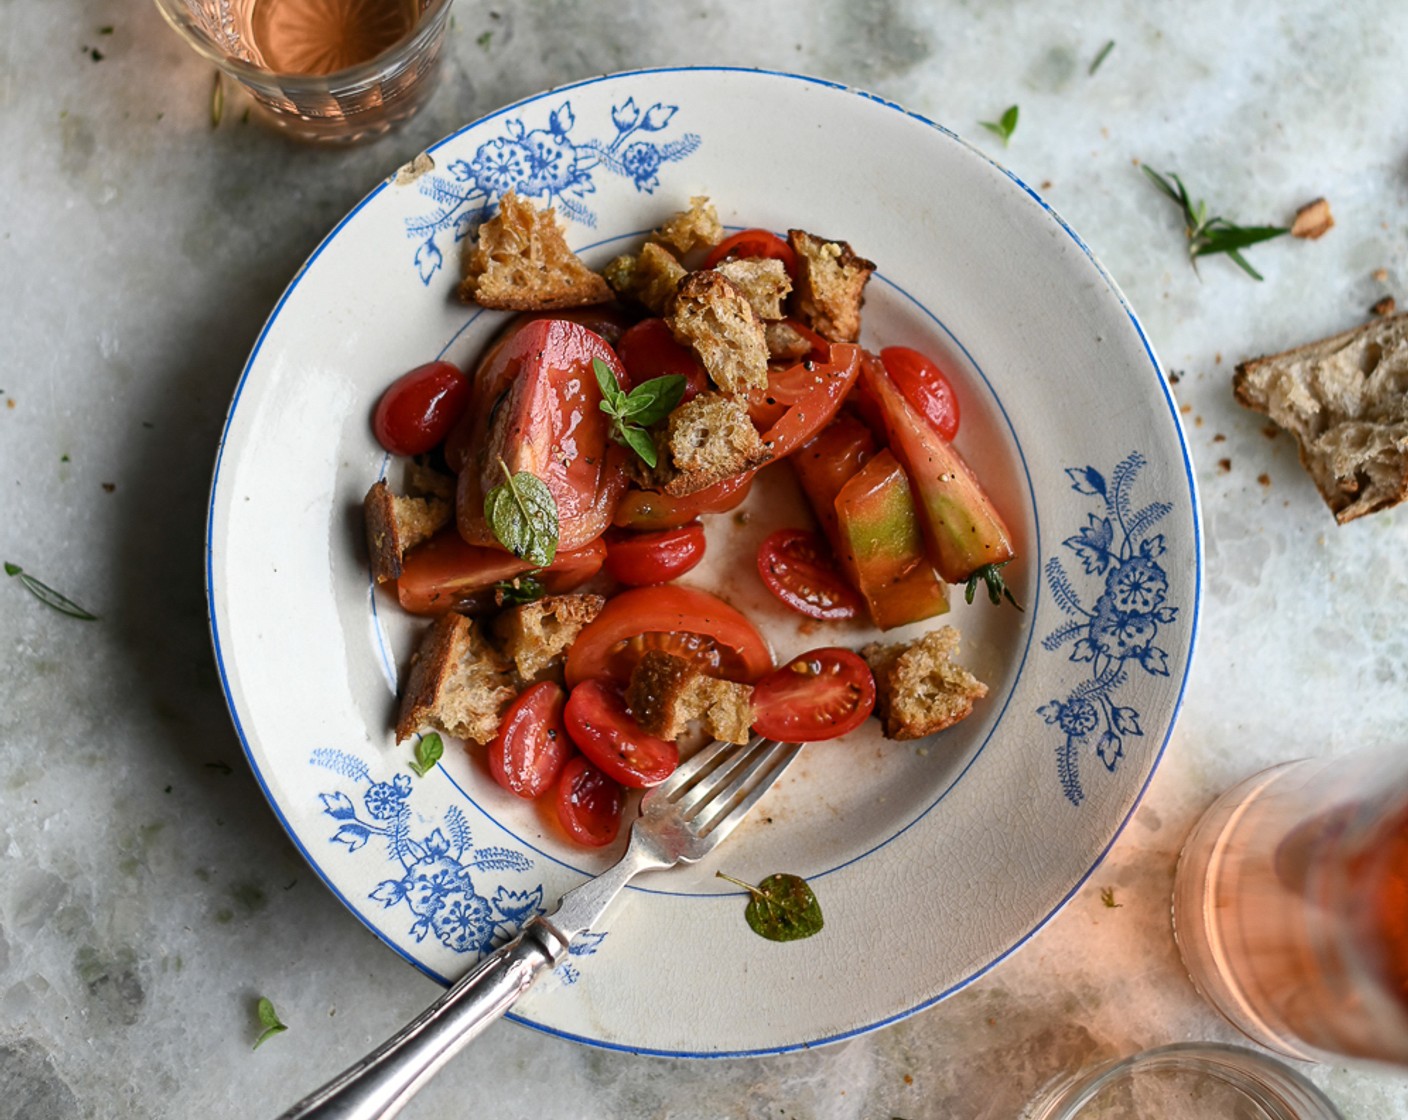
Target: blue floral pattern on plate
x=545, y=164
x=436, y=872
x=1116, y=634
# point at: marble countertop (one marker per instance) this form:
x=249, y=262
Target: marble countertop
x=148, y=894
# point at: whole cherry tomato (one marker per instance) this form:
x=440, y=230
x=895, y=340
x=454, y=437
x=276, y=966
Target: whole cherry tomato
x=588, y=803
x=820, y=695
x=638, y=559
x=419, y=408
x=604, y=731
x=649, y=350
x=532, y=744
x=797, y=567
x=754, y=243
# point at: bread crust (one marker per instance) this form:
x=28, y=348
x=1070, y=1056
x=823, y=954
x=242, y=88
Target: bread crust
x=536, y=636
x=459, y=685
x=667, y=691
x=521, y=262
x=1345, y=400
x=695, y=228
x=709, y=314
x=650, y=277
x=919, y=688
x=830, y=285
x=397, y=524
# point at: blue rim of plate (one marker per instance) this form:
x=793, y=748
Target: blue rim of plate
x=1189, y=477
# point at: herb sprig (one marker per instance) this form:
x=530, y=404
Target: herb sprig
x=1100, y=58
x=781, y=908
x=1208, y=235
x=523, y=515
x=631, y=413
x=519, y=590
x=429, y=751
x=1004, y=126
x=269, y=1020
x=991, y=576
x=48, y=596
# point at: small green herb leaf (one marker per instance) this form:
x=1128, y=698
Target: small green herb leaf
x=1004, y=126
x=520, y=589
x=484, y=40
x=1099, y=58
x=631, y=413
x=48, y=596
x=429, y=751
x=523, y=515
x=991, y=575
x=781, y=907
x=269, y=1020
x=1207, y=235
x=1107, y=896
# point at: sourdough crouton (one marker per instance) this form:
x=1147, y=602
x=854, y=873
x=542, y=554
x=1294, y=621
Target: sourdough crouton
x=830, y=286
x=1345, y=399
x=537, y=635
x=709, y=314
x=704, y=441
x=918, y=688
x=667, y=692
x=695, y=228
x=396, y=524
x=1313, y=220
x=649, y=278
x=786, y=343
x=458, y=685
x=763, y=282
x=521, y=262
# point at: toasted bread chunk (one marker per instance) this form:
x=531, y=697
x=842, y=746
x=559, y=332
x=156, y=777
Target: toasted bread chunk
x=521, y=262
x=1345, y=399
x=830, y=286
x=396, y=524
x=786, y=343
x=763, y=282
x=458, y=685
x=1313, y=220
x=695, y=228
x=704, y=441
x=709, y=314
x=667, y=692
x=537, y=635
x=649, y=278
x=918, y=688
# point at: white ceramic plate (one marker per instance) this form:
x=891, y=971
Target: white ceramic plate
x=932, y=861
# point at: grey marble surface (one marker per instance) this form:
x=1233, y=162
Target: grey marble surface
x=147, y=895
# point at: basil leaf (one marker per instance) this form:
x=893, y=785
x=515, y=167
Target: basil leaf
x=1004, y=126
x=651, y=401
x=48, y=596
x=782, y=907
x=269, y=1020
x=523, y=515
x=429, y=751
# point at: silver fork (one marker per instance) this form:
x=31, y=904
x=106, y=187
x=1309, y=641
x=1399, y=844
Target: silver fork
x=681, y=821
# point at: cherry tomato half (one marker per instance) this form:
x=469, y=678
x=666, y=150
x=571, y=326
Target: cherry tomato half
x=604, y=731
x=649, y=350
x=754, y=243
x=532, y=744
x=925, y=387
x=419, y=408
x=797, y=567
x=637, y=559
x=608, y=648
x=820, y=695
x=588, y=803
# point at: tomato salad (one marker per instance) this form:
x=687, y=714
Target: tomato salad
x=553, y=443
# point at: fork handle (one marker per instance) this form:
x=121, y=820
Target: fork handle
x=381, y=1084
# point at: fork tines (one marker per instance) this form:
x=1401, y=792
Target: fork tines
x=714, y=788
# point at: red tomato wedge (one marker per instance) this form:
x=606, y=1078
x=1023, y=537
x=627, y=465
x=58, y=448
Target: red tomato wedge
x=754, y=243
x=816, y=391
x=963, y=530
x=649, y=350
x=537, y=408
x=796, y=566
x=446, y=574
x=588, y=803
x=820, y=695
x=605, y=649
x=419, y=408
x=605, y=731
x=642, y=510
x=638, y=559
x=532, y=745
x=925, y=387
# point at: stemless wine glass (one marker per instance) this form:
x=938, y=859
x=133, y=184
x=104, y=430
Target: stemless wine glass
x=322, y=70
x=1291, y=907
